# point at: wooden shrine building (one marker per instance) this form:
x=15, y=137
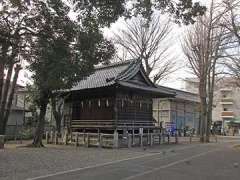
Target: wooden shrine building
x=115, y=97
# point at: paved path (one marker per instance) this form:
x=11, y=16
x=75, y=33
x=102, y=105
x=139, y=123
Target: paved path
x=199, y=162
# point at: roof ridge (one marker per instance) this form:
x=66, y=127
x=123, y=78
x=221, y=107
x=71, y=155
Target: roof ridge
x=120, y=63
x=132, y=66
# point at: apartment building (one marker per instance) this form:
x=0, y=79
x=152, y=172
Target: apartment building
x=226, y=106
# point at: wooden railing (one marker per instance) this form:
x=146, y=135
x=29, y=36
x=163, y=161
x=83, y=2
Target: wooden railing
x=108, y=123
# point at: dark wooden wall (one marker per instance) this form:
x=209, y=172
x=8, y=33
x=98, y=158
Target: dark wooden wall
x=134, y=110
x=93, y=109
x=114, y=108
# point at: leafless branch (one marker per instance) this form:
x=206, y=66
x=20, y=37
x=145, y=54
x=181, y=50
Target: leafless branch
x=148, y=41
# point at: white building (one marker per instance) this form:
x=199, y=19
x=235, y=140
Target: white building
x=226, y=106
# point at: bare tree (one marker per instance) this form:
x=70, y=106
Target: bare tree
x=232, y=24
x=232, y=15
x=148, y=40
x=204, y=46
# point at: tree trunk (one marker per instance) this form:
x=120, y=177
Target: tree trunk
x=2, y=67
x=210, y=103
x=202, y=93
x=1, y=89
x=4, y=97
x=1, y=79
x=37, y=141
x=11, y=96
x=56, y=109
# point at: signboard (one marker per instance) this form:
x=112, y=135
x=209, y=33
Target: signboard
x=170, y=126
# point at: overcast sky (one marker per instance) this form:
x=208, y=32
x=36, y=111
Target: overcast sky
x=175, y=80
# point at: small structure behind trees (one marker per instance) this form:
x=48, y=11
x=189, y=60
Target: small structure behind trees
x=182, y=111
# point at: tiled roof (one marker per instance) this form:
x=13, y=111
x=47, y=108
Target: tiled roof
x=188, y=96
x=153, y=90
x=103, y=76
x=182, y=95
x=120, y=73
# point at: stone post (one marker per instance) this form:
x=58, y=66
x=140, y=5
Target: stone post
x=51, y=137
x=190, y=139
x=151, y=139
x=133, y=137
x=115, y=139
x=148, y=138
x=56, y=137
x=47, y=137
x=141, y=140
x=65, y=139
x=129, y=141
x=2, y=141
x=168, y=138
x=176, y=138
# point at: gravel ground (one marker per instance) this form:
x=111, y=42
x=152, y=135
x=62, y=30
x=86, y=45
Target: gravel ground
x=21, y=162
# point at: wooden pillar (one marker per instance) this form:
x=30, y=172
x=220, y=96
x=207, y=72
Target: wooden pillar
x=100, y=140
x=158, y=112
x=87, y=141
x=2, y=141
x=159, y=138
x=116, y=109
x=76, y=139
x=84, y=137
x=163, y=136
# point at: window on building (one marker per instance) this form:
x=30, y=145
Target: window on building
x=225, y=109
